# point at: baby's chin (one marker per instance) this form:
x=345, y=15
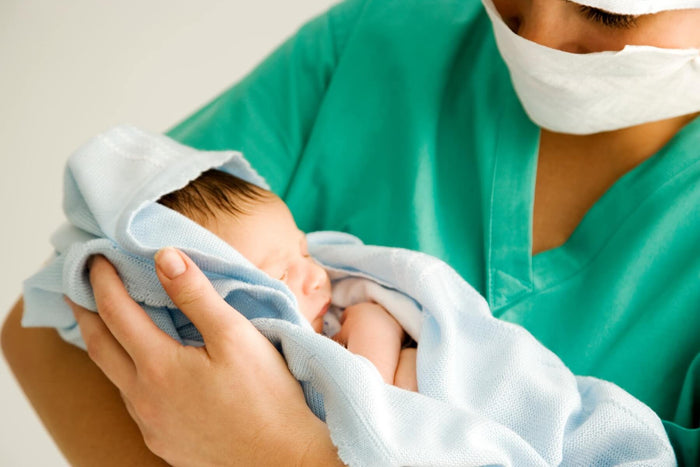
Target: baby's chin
x=315, y=317
x=316, y=323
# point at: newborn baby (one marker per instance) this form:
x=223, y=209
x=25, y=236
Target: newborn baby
x=259, y=225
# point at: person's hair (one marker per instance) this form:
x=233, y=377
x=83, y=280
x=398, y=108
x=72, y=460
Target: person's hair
x=214, y=192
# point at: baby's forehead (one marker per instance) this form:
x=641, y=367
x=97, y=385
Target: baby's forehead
x=276, y=211
x=264, y=232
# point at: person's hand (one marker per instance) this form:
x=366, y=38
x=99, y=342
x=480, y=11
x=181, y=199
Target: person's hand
x=230, y=402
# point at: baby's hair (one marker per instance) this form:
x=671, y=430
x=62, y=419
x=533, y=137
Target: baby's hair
x=212, y=192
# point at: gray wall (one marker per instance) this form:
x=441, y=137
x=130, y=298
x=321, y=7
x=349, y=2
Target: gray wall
x=71, y=69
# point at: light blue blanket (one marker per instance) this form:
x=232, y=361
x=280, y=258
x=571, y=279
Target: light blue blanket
x=490, y=394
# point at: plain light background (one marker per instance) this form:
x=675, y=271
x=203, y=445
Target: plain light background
x=71, y=69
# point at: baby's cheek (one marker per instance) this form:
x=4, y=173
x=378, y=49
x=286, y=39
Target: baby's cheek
x=308, y=312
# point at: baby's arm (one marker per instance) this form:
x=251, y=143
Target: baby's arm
x=369, y=330
x=406, y=377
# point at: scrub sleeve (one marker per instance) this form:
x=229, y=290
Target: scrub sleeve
x=396, y=121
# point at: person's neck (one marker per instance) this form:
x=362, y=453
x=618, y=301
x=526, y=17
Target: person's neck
x=627, y=147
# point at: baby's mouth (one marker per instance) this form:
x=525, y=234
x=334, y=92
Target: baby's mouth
x=324, y=309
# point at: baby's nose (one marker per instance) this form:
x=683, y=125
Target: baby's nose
x=315, y=278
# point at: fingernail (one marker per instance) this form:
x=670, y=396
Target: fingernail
x=170, y=262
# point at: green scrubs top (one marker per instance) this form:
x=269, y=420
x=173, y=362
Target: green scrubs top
x=396, y=121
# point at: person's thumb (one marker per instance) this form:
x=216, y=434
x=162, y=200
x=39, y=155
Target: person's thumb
x=195, y=296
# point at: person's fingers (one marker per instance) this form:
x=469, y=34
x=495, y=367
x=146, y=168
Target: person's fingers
x=196, y=297
x=103, y=348
x=125, y=319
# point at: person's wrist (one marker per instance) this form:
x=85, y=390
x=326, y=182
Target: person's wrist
x=303, y=440
x=319, y=449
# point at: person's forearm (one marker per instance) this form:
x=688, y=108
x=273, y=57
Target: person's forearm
x=79, y=407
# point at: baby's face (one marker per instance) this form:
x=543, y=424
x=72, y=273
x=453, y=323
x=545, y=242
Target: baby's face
x=268, y=237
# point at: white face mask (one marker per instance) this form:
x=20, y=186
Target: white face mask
x=600, y=91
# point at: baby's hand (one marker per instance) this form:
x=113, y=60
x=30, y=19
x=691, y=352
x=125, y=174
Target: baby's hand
x=369, y=330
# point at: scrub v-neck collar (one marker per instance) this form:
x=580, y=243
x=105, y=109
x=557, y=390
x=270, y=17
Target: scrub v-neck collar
x=513, y=272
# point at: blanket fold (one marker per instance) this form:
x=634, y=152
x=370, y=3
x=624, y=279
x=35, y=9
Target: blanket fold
x=489, y=393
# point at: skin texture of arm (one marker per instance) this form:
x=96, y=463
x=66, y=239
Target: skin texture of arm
x=73, y=398
x=369, y=330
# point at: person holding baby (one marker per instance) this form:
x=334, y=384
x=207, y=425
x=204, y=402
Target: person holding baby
x=546, y=149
